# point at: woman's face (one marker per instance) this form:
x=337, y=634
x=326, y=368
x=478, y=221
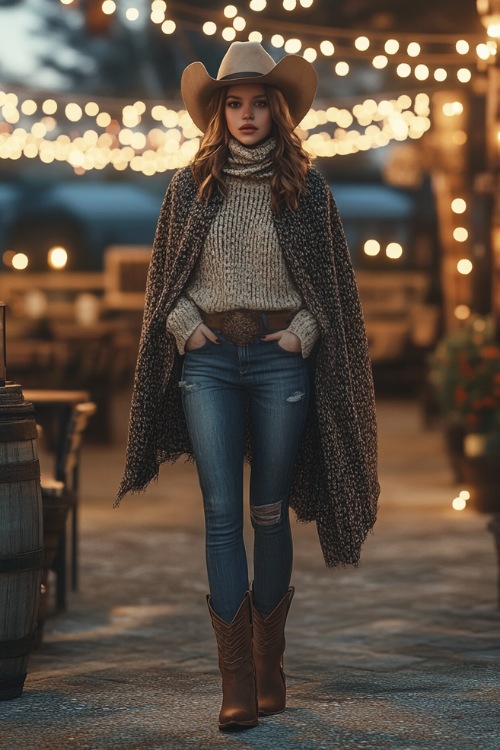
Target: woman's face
x=248, y=115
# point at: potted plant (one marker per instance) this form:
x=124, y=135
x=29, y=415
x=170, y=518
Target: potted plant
x=465, y=376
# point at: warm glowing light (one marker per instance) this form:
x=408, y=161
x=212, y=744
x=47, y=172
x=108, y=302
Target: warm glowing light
x=453, y=109
x=91, y=109
x=462, y=312
x=394, y=250
x=464, y=494
x=458, y=503
x=460, y=234
x=421, y=72
x=371, y=247
x=230, y=11
x=292, y=46
x=103, y=119
x=413, y=49
x=403, y=70
x=310, y=54
x=49, y=107
x=28, y=107
x=73, y=112
x=239, y=23
x=327, y=48
x=108, y=7
x=277, y=40
x=342, y=68
x=379, y=61
x=458, y=205
x=362, y=43
x=228, y=33
x=494, y=30
x=168, y=27
x=483, y=51
x=462, y=47
x=132, y=14
x=258, y=5
x=391, y=46
x=57, y=257
x=20, y=261
x=255, y=36
x=440, y=74
x=289, y=4
x=464, y=266
x=209, y=28
x=464, y=75
x=306, y=3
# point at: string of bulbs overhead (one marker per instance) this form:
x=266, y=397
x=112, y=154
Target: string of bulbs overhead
x=150, y=138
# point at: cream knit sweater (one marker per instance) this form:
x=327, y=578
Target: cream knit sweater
x=241, y=264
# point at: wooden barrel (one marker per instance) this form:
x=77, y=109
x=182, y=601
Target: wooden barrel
x=21, y=538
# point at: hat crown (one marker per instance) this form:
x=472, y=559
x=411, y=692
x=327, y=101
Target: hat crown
x=245, y=58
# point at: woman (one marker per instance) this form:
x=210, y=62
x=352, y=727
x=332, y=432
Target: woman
x=253, y=345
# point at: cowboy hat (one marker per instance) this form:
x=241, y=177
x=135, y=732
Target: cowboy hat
x=248, y=62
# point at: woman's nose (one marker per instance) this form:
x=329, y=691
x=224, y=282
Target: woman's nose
x=248, y=114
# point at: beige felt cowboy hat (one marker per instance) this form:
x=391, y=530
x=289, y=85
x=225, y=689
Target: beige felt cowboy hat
x=248, y=62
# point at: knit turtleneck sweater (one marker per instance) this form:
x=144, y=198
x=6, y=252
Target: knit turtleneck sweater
x=241, y=264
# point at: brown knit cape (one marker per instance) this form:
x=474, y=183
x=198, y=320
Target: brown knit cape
x=335, y=478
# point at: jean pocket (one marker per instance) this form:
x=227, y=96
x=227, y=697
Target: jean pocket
x=201, y=348
x=278, y=346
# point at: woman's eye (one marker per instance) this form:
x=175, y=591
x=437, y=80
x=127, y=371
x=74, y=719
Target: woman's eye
x=233, y=105
x=261, y=103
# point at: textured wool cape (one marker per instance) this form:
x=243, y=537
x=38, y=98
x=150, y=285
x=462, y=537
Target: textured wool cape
x=335, y=477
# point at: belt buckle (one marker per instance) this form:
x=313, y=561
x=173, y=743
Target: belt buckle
x=240, y=326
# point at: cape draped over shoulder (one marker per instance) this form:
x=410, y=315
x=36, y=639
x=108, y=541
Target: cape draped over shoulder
x=335, y=477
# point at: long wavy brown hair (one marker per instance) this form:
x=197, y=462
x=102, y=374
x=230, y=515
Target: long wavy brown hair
x=290, y=159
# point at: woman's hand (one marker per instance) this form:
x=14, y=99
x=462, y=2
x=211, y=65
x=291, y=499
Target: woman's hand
x=288, y=341
x=200, y=334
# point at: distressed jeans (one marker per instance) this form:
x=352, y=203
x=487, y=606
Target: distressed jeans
x=223, y=385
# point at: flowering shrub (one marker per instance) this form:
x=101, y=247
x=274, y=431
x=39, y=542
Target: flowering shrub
x=465, y=373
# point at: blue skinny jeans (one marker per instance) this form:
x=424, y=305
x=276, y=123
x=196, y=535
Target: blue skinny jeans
x=223, y=384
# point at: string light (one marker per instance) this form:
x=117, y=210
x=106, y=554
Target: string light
x=362, y=43
x=209, y=28
x=327, y=48
x=371, y=247
x=170, y=140
x=458, y=206
x=464, y=266
x=258, y=5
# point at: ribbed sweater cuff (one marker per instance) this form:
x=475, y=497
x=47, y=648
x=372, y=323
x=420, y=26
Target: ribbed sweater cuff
x=182, y=321
x=304, y=326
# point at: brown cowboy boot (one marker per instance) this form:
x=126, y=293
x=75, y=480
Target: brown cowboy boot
x=268, y=648
x=234, y=644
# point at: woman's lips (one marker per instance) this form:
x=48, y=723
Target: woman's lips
x=248, y=128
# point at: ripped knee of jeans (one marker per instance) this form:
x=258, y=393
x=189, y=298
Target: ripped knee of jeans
x=297, y=396
x=185, y=386
x=265, y=515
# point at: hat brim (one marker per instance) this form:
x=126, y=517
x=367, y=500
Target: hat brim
x=292, y=75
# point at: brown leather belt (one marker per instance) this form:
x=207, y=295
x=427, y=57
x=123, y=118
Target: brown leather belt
x=241, y=326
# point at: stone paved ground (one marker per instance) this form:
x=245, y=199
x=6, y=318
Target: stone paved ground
x=401, y=653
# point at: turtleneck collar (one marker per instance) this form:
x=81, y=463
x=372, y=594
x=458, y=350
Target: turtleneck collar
x=245, y=162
